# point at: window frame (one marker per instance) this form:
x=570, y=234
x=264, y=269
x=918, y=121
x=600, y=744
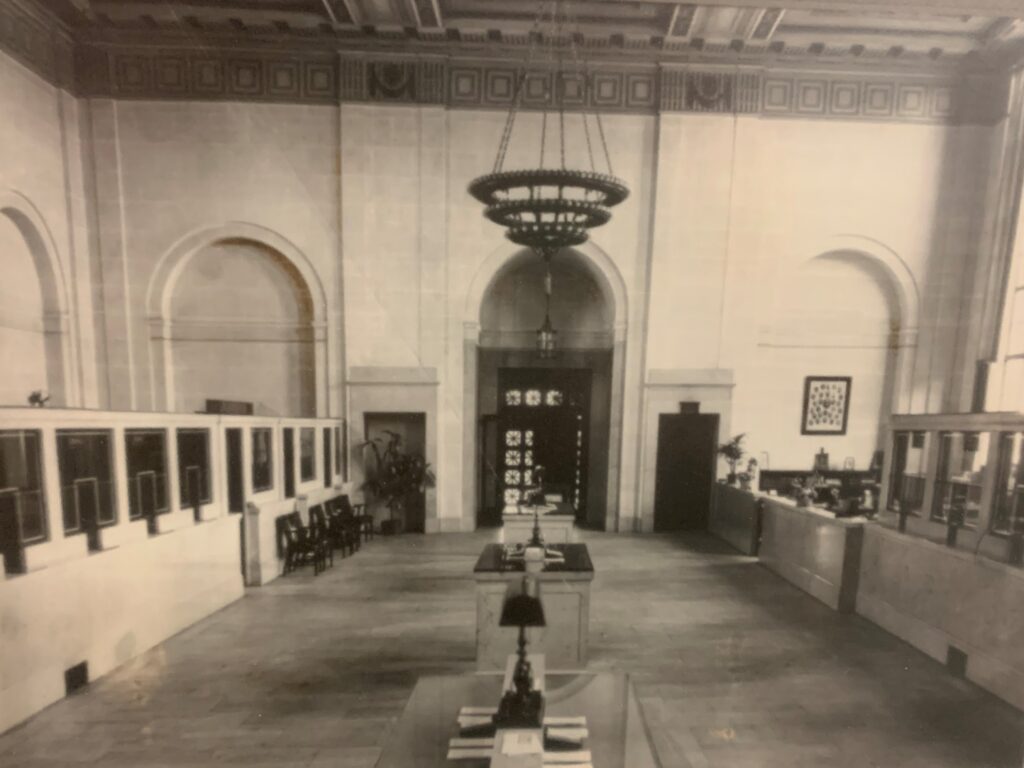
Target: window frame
x=1005, y=499
x=206, y=481
x=268, y=484
x=132, y=486
x=18, y=491
x=112, y=519
x=305, y=477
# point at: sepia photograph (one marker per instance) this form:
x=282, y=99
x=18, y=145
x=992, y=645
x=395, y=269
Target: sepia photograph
x=511, y=384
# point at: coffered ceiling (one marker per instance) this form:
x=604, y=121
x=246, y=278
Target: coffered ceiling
x=895, y=33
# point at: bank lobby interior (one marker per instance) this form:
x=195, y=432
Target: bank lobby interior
x=341, y=338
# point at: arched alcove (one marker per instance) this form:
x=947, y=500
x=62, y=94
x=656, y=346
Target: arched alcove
x=282, y=315
x=505, y=307
x=33, y=309
x=843, y=312
x=240, y=327
x=512, y=309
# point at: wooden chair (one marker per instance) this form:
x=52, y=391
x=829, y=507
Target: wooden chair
x=363, y=520
x=344, y=533
x=320, y=534
x=349, y=522
x=297, y=543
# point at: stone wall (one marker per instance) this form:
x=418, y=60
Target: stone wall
x=938, y=599
x=368, y=204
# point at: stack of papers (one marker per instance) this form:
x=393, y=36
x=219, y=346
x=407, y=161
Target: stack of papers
x=476, y=749
x=570, y=731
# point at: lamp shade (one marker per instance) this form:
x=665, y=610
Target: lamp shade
x=523, y=607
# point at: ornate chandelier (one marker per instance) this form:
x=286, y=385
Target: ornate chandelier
x=550, y=207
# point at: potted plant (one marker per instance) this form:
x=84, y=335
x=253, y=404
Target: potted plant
x=747, y=477
x=395, y=477
x=806, y=492
x=733, y=453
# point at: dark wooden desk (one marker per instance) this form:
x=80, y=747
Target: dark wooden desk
x=577, y=559
x=618, y=733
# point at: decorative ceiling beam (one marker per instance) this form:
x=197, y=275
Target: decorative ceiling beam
x=681, y=22
x=1011, y=8
x=766, y=24
x=329, y=11
x=346, y=12
x=427, y=13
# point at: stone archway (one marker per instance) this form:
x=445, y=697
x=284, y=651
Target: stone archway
x=53, y=324
x=292, y=265
x=606, y=276
x=843, y=305
x=897, y=278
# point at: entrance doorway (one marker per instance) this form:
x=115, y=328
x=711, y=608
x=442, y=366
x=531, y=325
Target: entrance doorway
x=543, y=421
x=685, y=470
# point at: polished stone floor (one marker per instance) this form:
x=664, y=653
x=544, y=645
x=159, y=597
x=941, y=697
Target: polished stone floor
x=734, y=668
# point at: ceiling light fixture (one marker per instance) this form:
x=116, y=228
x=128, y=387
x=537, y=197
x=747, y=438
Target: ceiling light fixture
x=550, y=207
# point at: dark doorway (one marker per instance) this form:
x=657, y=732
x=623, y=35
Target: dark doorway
x=328, y=464
x=685, y=471
x=412, y=431
x=544, y=420
x=288, y=441
x=490, y=509
x=236, y=485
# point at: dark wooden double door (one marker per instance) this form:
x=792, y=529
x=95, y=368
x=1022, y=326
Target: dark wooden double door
x=543, y=421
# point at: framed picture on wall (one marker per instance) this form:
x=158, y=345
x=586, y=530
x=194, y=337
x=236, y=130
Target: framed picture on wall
x=826, y=405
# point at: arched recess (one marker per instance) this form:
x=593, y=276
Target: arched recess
x=848, y=306
x=596, y=261
x=278, y=260
x=48, y=334
x=887, y=264
x=600, y=272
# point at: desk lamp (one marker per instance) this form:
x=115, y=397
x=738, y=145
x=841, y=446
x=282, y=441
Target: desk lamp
x=522, y=707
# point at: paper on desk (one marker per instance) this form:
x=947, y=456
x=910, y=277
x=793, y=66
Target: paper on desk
x=564, y=758
x=521, y=743
x=565, y=720
x=463, y=742
x=469, y=753
x=567, y=733
x=477, y=711
x=467, y=721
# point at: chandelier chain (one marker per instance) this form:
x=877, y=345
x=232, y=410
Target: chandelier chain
x=581, y=67
x=588, y=90
x=517, y=94
x=549, y=93
x=560, y=82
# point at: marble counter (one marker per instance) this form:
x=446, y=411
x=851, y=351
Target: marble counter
x=812, y=549
x=565, y=592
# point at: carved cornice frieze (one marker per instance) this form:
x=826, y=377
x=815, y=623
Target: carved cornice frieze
x=320, y=76
x=38, y=42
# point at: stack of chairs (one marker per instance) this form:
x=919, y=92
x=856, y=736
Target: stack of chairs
x=334, y=524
